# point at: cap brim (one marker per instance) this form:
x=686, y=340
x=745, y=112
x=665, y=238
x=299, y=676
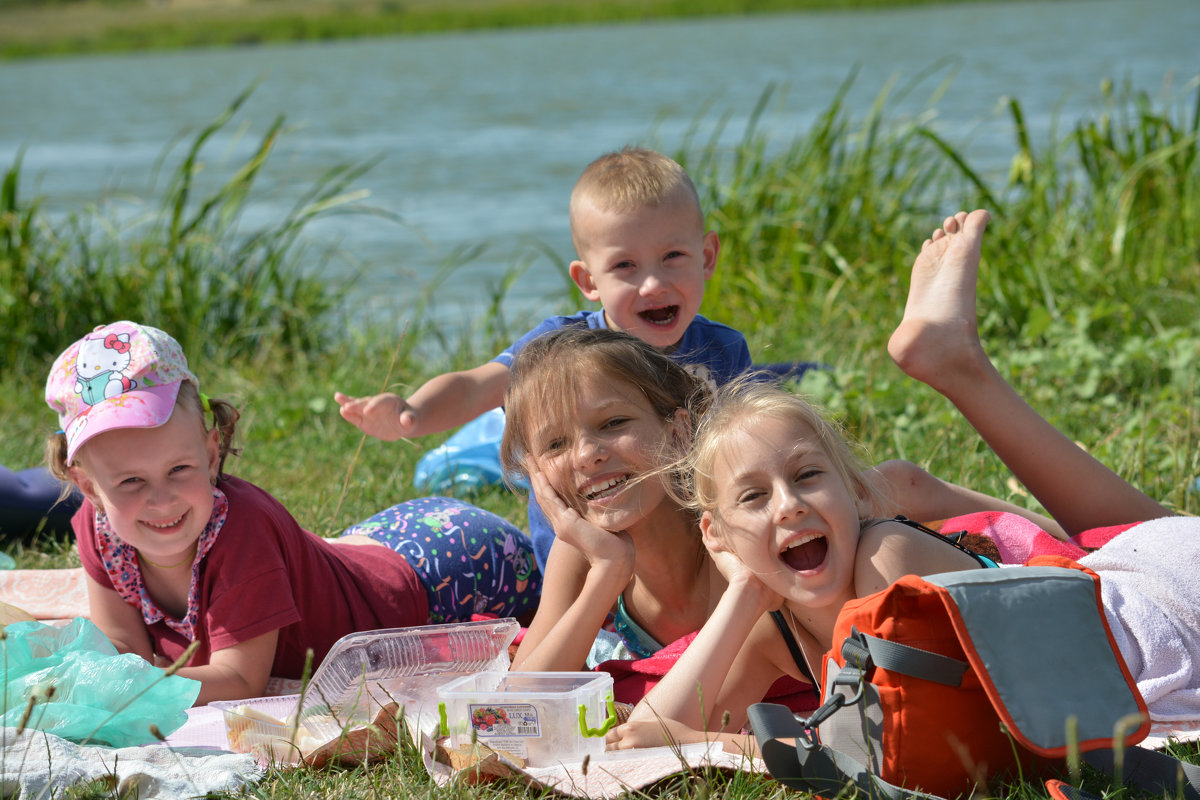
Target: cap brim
x=144, y=407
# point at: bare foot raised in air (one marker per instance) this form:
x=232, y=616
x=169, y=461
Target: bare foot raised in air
x=937, y=342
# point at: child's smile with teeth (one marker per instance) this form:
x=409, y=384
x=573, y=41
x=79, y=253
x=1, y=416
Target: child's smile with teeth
x=807, y=553
x=647, y=266
x=602, y=489
x=166, y=525
x=155, y=485
x=785, y=510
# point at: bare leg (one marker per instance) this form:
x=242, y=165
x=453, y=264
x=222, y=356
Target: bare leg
x=937, y=343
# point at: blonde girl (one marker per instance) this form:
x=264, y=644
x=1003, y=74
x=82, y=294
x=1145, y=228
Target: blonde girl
x=786, y=512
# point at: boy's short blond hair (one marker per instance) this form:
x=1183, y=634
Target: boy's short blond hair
x=630, y=179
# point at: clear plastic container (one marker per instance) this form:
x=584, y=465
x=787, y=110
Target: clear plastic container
x=406, y=662
x=362, y=673
x=543, y=717
x=267, y=727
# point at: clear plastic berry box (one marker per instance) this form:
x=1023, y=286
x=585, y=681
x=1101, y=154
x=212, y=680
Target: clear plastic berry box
x=543, y=717
x=362, y=673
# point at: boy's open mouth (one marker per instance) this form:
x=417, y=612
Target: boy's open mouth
x=807, y=554
x=660, y=316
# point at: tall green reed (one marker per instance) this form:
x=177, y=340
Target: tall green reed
x=1087, y=296
x=190, y=265
x=1102, y=223
x=804, y=230
x=816, y=234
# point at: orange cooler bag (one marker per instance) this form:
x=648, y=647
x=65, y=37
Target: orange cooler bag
x=941, y=685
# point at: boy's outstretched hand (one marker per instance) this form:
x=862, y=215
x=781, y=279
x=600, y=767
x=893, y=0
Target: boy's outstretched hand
x=385, y=416
x=441, y=403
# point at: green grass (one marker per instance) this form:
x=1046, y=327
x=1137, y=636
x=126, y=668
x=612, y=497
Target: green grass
x=1088, y=303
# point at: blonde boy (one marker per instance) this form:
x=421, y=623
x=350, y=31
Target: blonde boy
x=643, y=253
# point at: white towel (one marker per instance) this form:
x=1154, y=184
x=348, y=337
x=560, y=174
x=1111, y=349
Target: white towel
x=38, y=764
x=1150, y=583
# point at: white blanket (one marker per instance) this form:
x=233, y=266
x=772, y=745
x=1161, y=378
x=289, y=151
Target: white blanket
x=1150, y=582
x=37, y=765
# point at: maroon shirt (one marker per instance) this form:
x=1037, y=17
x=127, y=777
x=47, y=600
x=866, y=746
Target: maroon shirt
x=266, y=573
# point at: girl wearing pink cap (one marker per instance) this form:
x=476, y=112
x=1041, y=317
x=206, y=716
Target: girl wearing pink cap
x=176, y=551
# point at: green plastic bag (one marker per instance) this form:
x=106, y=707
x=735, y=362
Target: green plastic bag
x=99, y=696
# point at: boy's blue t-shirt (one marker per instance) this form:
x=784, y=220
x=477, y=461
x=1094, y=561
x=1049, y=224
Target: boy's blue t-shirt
x=713, y=352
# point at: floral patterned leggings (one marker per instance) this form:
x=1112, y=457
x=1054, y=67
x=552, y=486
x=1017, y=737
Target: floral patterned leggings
x=471, y=561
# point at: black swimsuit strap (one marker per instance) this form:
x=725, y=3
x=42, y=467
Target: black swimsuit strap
x=794, y=648
x=950, y=539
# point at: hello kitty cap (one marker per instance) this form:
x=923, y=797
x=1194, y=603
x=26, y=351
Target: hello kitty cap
x=121, y=375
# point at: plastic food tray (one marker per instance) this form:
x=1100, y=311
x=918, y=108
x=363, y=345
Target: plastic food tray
x=362, y=673
x=542, y=717
x=273, y=736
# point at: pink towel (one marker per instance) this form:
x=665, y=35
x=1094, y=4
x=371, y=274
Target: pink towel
x=1019, y=540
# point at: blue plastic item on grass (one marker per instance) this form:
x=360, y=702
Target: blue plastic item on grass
x=468, y=460
x=99, y=696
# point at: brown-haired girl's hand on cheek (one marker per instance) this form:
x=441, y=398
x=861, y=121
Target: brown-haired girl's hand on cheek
x=614, y=549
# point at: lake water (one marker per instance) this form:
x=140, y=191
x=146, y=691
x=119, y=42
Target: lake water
x=481, y=135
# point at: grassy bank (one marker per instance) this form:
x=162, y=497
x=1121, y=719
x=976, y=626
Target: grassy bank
x=1088, y=303
x=36, y=28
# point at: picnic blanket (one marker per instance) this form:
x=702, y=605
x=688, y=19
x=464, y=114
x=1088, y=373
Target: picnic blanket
x=614, y=774
x=195, y=759
x=38, y=764
x=47, y=594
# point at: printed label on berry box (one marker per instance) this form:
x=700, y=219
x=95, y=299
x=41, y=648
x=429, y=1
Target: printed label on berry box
x=505, y=727
x=516, y=719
